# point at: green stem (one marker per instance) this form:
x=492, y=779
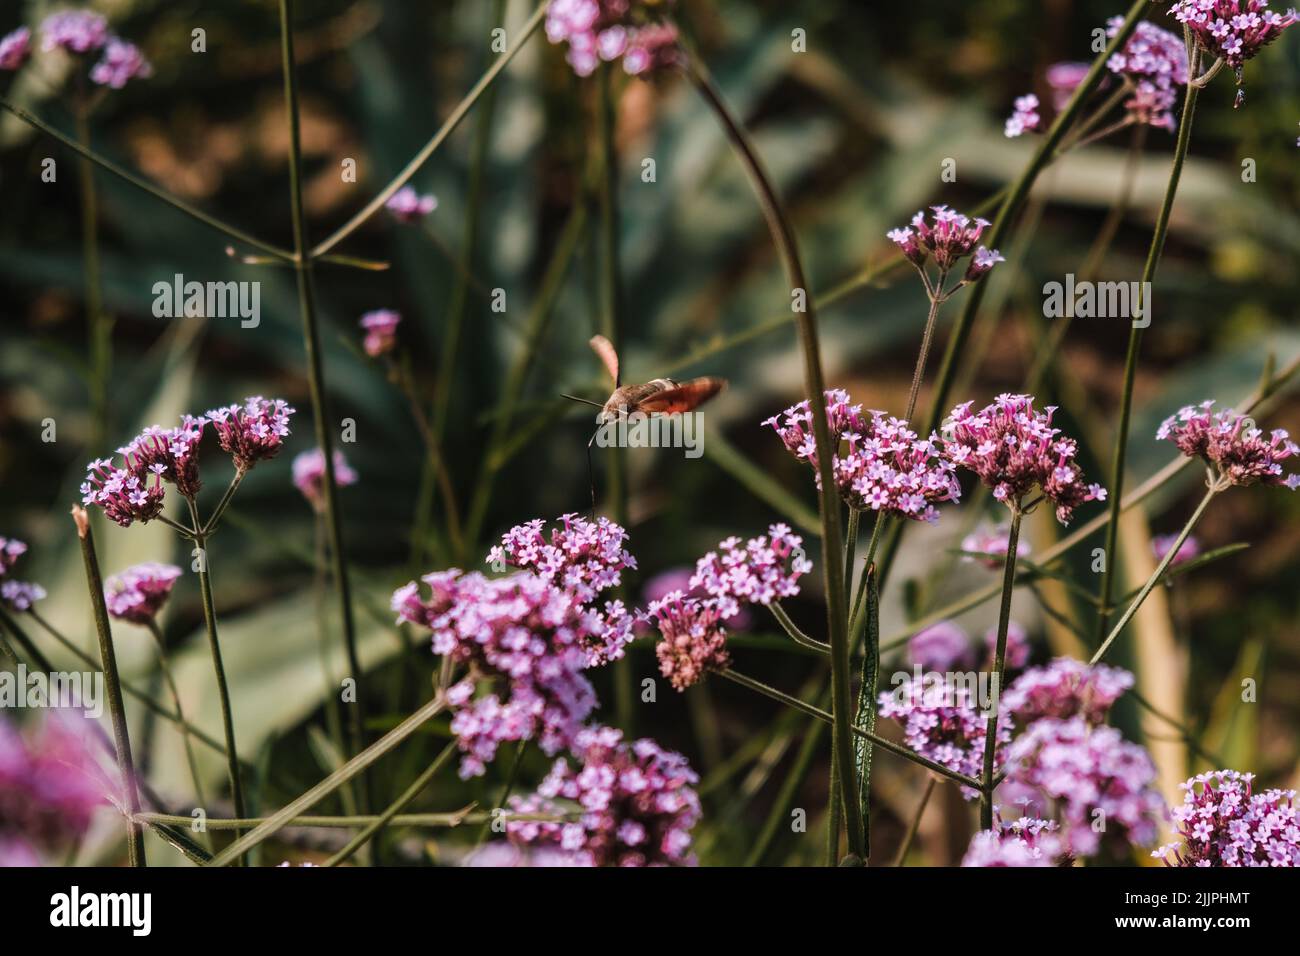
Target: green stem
x=864, y=716
x=316, y=382
x=214, y=647
x=166, y=670
x=794, y=779
x=792, y=629
x=271, y=825
x=924, y=353
x=1134, y=344
x=915, y=826
x=112, y=685
x=453, y=819
x=459, y=113
x=999, y=669
x=1156, y=575
x=215, y=518
x=783, y=238
x=397, y=806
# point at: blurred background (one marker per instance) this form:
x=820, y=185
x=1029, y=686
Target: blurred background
x=856, y=129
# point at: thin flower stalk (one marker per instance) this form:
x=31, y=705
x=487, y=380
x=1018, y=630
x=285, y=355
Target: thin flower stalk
x=999, y=670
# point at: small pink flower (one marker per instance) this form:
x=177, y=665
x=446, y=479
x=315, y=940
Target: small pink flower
x=20, y=595
x=1232, y=444
x=1222, y=823
x=1028, y=841
x=309, y=475
x=1066, y=688
x=1025, y=118
x=77, y=31
x=252, y=432
x=14, y=48
x=121, y=61
x=608, y=30
x=11, y=549
x=694, y=642
x=381, y=331
x=139, y=592
x=407, y=205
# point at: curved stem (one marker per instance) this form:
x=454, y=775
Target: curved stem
x=798, y=636
x=1157, y=574
x=316, y=380
x=166, y=670
x=999, y=669
x=916, y=822
x=1134, y=345
x=814, y=384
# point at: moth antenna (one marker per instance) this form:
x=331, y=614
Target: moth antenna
x=591, y=474
x=584, y=401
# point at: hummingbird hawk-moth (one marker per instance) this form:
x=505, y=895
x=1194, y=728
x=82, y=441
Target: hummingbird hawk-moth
x=660, y=396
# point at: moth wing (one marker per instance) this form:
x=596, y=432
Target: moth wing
x=605, y=349
x=683, y=397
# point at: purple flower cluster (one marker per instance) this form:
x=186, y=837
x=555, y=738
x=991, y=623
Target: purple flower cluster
x=1096, y=779
x=637, y=804
x=941, y=647
x=381, y=331
x=1024, y=117
x=309, y=475
x=139, y=592
x=49, y=789
x=122, y=61
x=765, y=569
x=694, y=638
x=1028, y=841
x=1234, y=30
x=1222, y=823
x=992, y=544
x=1232, y=444
x=252, y=432
x=525, y=635
x=170, y=453
x=11, y=549
x=82, y=31
x=948, y=238
x=20, y=595
x=127, y=494
x=14, y=48
x=1013, y=448
x=1155, y=61
x=884, y=468
x=941, y=720
x=406, y=205
x=1066, y=688
x=1189, y=549
x=608, y=30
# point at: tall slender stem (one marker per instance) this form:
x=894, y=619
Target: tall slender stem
x=1134, y=344
x=165, y=667
x=999, y=669
x=915, y=826
x=316, y=382
x=112, y=685
x=924, y=353
x=814, y=384
x=214, y=647
x=1156, y=575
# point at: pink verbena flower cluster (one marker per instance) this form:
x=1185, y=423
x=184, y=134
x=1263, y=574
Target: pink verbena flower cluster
x=949, y=238
x=988, y=546
x=1024, y=117
x=1066, y=688
x=1232, y=444
x=16, y=595
x=381, y=331
x=609, y=30
x=503, y=854
x=170, y=453
x=80, y=32
x=1234, y=30
x=11, y=549
x=50, y=788
x=942, y=721
x=879, y=463
x=139, y=592
x=1013, y=448
x=637, y=804
x=694, y=640
x=1155, y=61
x=1222, y=823
x=407, y=205
x=583, y=558
x=309, y=475
x=1028, y=841
x=1090, y=774
x=523, y=634
x=766, y=569
x=14, y=48
x=252, y=432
